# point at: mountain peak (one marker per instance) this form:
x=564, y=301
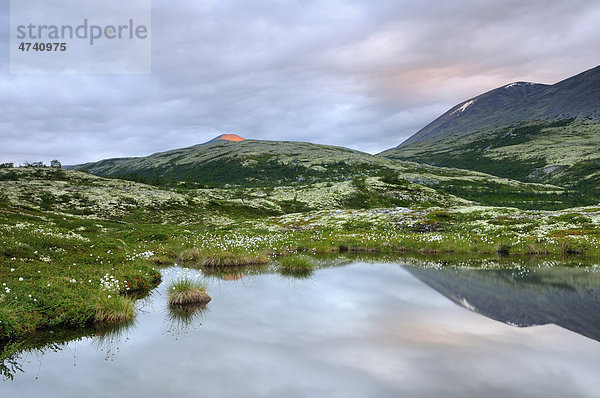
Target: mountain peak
x=517, y=84
x=518, y=102
x=228, y=137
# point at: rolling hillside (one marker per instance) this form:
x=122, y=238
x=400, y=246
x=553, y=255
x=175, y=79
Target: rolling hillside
x=255, y=164
x=248, y=163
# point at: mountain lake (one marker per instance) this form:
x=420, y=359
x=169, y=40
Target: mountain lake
x=349, y=329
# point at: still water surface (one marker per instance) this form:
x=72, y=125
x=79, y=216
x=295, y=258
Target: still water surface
x=362, y=330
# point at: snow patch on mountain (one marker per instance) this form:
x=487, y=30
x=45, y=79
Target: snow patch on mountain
x=519, y=84
x=464, y=106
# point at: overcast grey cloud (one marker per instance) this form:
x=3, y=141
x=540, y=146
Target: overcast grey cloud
x=362, y=74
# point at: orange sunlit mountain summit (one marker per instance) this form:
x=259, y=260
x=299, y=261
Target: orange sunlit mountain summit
x=229, y=137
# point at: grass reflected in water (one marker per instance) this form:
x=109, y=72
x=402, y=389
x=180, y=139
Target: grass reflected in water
x=183, y=318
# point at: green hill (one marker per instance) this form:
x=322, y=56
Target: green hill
x=247, y=163
x=271, y=164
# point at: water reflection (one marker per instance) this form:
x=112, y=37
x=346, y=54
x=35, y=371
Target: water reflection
x=183, y=318
x=14, y=354
x=362, y=330
x=234, y=274
x=109, y=339
x=298, y=274
x=568, y=297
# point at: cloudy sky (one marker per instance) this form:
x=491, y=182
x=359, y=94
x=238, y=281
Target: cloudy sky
x=358, y=73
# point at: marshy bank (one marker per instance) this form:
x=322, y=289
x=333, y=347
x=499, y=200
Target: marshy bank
x=57, y=270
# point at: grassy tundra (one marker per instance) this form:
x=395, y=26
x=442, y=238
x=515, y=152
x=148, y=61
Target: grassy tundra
x=77, y=249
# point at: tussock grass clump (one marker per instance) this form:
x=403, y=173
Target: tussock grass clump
x=364, y=249
x=533, y=249
x=296, y=263
x=161, y=260
x=185, y=291
x=115, y=309
x=190, y=255
x=573, y=248
x=503, y=249
x=222, y=259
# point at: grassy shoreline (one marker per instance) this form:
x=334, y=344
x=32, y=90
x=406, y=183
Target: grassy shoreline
x=52, y=276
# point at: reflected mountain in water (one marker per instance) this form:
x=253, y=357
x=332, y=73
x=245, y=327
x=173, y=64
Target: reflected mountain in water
x=567, y=297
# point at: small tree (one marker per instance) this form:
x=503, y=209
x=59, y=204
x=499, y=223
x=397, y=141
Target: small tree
x=360, y=183
x=33, y=164
x=7, y=165
x=55, y=164
x=240, y=193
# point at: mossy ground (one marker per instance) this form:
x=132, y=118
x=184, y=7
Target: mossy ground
x=53, y=276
